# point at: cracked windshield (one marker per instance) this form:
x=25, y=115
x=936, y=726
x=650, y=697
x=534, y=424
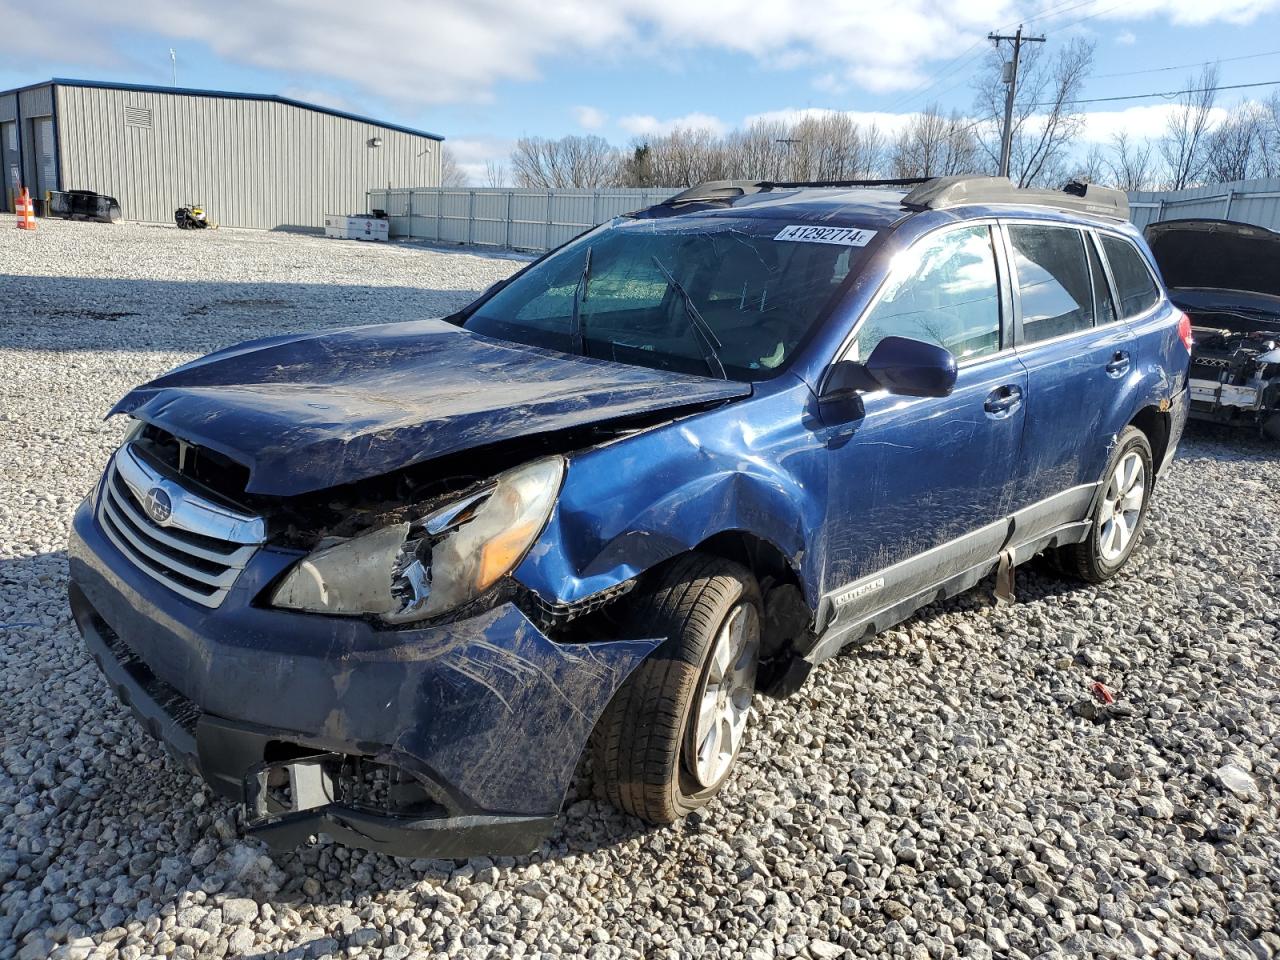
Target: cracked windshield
x=720, y=297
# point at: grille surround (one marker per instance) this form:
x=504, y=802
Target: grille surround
x=197, y=550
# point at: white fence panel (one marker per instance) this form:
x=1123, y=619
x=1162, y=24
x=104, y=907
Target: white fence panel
x=507, y=218
x=539, y=220
x=1248, y=201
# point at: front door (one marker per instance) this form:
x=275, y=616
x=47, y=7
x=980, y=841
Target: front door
x=919, y=487
x=1078, y=355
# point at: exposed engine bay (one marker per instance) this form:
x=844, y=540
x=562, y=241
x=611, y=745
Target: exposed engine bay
x=1237, y=375
x=1226, y=277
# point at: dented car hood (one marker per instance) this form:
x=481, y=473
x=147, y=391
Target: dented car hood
x=309, y=412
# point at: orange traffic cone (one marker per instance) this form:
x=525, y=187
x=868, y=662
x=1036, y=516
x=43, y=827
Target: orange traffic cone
x=26, y=211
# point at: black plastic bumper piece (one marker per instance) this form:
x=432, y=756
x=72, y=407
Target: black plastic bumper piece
x=224, y=754
x=441, y=838
x=165, y=713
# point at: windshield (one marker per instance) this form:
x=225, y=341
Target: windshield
x=690, y=295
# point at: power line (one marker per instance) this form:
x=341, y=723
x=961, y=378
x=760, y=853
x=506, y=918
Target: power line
x=1184, y=66
x=1166, y=94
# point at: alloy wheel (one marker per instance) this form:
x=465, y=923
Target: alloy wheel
x=725, y=702
x=1121, y=507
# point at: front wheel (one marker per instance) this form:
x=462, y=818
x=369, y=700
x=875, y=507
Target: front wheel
x=669, y=738
x=1119, y=514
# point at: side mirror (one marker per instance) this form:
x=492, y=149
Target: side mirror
x=912, y=368
x=845, y=379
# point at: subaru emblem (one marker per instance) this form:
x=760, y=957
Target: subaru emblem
x=158, y=505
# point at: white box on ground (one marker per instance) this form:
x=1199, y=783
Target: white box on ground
x=358, y=227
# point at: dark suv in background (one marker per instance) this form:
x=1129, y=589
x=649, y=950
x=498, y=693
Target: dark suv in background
x=388, y=582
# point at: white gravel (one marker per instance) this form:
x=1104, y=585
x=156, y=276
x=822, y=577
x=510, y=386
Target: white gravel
x=947, y=791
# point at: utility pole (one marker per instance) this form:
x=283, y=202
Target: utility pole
x=1010, y=79
x=173, y=59
x=789, y=142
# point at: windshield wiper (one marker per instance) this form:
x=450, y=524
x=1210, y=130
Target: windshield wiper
x=706, y=338
x=576, y=335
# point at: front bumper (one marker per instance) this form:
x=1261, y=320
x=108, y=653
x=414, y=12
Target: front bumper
x=488, y=714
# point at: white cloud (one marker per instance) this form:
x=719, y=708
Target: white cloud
x=448, y=51
x=640, y=125
x=474, y=154
x=1140, y=123
x=1126, y=38
x=590, y=118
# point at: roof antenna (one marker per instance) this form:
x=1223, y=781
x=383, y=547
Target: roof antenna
x=173, y=58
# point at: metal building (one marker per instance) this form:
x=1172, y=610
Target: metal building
x=252, y=160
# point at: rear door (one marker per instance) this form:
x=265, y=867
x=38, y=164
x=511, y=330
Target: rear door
x=1078, y=355
x=918, y=487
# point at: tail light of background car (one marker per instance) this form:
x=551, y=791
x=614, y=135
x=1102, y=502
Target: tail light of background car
x=1184, y=330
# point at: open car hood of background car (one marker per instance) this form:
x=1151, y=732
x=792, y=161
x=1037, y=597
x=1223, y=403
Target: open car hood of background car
x=1217, y=255
x=310, y=412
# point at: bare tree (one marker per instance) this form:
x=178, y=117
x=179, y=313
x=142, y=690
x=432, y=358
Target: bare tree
x=1269, y=163
x=1186, y=138
x=832, y=147
x=762, y=151
x=1091, y=168
x=682, y=158
x=933, y=145
x=1237, y=148
x=1046, y=117
x=571, y=161
x=495, y=174
x=451, y=174
x=1130, y=163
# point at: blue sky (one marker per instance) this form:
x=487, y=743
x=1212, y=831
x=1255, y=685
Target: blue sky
x=484, y=72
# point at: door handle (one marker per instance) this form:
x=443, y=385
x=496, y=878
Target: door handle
x=1002, y=401
x=1118, y=364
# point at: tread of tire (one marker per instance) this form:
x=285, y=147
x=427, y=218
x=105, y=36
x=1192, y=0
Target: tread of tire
x=638, y=739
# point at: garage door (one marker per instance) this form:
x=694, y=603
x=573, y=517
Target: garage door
x=8, y=164
x=46, y=159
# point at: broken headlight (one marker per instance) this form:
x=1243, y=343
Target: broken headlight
x=411, y=571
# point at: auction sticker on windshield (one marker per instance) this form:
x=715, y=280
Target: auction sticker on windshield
x=808, y=233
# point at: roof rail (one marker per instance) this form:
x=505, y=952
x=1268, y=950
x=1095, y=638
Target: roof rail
x=714, y=190
x=942, y=192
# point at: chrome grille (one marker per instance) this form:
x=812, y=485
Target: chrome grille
x=194, y=546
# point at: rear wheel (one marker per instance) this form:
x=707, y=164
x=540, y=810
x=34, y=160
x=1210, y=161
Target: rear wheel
x=1118, y=516
x=668, y=740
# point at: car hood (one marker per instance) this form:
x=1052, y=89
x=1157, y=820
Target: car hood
x=310, y=412
x=1217, y=255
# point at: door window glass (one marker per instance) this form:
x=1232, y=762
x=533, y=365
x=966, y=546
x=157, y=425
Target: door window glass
x=1053, y=281
x=1103, y=307
x=1135, y=287
x=945, y=292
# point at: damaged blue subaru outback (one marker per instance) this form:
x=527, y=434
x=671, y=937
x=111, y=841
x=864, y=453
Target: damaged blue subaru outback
x=398, y=584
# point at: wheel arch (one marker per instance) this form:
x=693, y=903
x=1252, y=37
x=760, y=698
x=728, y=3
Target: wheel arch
x=1157, y=425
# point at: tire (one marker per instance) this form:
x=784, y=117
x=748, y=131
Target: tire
x=1271, y=427
x=1113, y=535
x=646, y=759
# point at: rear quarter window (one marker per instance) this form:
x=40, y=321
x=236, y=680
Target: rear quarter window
x=1136, y=289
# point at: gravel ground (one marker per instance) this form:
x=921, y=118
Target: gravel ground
x=948, y=790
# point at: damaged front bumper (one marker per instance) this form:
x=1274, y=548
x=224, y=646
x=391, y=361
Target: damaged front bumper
x=448, y=741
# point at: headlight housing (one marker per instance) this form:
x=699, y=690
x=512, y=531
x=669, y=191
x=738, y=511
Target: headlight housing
x=411, y=571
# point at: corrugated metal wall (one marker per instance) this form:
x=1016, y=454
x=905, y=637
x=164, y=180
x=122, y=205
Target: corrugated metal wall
x=510, y=218
x=34, y=137
x=1248, y=201
x=251, y=163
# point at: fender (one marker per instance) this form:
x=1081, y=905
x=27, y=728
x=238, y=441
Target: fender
x=632, y=504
